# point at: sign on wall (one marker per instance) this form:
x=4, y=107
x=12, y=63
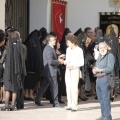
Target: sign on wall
x=108, y=21
x=58, y=17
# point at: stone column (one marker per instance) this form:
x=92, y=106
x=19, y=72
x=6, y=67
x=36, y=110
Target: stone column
x=2, y=14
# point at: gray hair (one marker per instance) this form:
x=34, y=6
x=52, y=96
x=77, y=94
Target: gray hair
x=105, y=44
x=48, y=38
x=15, y=34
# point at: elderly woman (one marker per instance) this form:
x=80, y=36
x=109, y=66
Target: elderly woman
x=103, y=69
x=74, y=60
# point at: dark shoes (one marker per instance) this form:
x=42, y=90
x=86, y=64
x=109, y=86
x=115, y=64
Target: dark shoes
x=61, y=102
x=57, y=105
x=38, y=103
x=20, y=106
x=83, y=99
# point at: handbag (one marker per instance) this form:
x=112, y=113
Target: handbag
x=111, y=82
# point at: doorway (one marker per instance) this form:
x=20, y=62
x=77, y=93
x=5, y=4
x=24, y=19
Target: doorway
x=17, y=15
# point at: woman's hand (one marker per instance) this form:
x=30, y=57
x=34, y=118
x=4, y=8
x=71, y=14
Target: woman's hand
x=62, y=55
x=94, y=71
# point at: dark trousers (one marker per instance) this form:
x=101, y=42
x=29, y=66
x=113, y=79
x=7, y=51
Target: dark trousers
x=60, y=89
x=60, y=86
x=20, y=99
x=52, y=81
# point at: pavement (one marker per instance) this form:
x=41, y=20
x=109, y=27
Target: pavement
x=87, y=110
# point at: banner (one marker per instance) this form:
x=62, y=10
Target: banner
x=58, y=17
x=108, y=21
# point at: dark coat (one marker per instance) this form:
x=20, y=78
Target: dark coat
x=14, y=65
x=50, y=62
x=34, y=60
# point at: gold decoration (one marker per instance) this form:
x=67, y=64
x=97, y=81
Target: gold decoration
x=115, y=2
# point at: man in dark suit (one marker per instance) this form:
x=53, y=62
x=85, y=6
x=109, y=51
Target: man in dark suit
x=49, y=72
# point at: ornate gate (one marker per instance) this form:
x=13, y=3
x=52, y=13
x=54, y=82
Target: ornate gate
x=17, y=15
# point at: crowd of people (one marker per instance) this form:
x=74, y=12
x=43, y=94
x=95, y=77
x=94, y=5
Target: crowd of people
x=80, y=65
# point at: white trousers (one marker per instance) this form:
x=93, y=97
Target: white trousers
x=72, y=79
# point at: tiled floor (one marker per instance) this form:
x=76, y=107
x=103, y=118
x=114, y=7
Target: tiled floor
x=89, y=110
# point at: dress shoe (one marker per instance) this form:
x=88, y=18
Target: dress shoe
x=20, y=106
x=61, y=102
x=38, y=104
x=57, y=105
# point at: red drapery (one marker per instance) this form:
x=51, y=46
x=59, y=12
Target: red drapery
x=58, y=17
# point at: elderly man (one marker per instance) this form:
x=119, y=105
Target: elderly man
x=102, y=70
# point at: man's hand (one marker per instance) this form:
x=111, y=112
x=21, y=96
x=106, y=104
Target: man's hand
x=99, y=70
x=96, y=70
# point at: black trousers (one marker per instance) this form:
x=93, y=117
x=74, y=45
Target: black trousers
x=20, y=99
x=52, y=81
x=20, y=96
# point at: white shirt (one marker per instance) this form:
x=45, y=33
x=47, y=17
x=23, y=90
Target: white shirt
x=74, y=57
